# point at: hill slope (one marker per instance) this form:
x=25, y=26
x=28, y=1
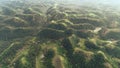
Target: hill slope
x=58, y=35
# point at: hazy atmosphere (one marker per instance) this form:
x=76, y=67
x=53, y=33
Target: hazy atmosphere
x=59, y=34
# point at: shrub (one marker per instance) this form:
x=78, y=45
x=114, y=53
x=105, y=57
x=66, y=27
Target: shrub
x=98, y=60
x=100, y=56
x=91, y=45
x=33, y=52
x=49, y=54
x=54, y=14
x=21, y=32
x=5, y=34
x=118, y=43
x=33, y=19
x=113, y=35
x=16, y=21
x=84, y=34
x=81, y=58
x=10, y=51
x=8, y=34
x=66, y=43
x=8, y=11
x=59, y=16
x=66, y=21
x=83, y=26
x=95, y=22
x=29, y=11
x=68, y=32
x=113, y=51
x=51, y=34
x=56, y=26
x=52, y=10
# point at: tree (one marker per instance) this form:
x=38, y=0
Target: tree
x=52, y=34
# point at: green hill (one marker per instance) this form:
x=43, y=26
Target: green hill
x=58, y=35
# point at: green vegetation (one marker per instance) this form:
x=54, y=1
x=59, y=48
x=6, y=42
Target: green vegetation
x=84, y=26
x=91, y=45
x=16, y=21
x=84, y=34
x=8, y=11
x=58, y=35
x=113, y=35
x=51, y=34
x=58, y=26
x=81, y=58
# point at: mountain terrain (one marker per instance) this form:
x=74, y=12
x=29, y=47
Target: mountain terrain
x=53, y=34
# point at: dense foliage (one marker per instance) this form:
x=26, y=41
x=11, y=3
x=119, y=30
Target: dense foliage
x=50, y=34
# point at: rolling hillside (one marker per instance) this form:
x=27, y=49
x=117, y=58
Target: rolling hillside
x=53, y=34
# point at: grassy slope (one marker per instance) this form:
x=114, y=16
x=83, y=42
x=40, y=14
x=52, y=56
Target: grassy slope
x=69, y=45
